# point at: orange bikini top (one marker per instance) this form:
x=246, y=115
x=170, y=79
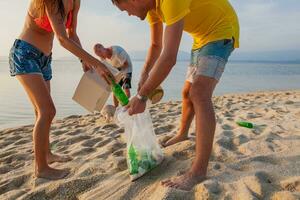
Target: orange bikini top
x=44, y=23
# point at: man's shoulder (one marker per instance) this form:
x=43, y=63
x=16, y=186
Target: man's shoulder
x=118, y=48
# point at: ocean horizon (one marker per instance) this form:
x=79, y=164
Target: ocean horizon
x=239, y=77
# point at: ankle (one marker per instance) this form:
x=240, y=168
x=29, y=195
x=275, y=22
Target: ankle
x=198, y=171
x=41, y=169
x=182, y=133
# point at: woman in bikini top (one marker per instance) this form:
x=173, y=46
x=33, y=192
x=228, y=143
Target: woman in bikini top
x=30, y=63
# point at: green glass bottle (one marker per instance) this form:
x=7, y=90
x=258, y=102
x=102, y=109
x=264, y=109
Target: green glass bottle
x=245, y=124
x=133, y=162
x=119, y=93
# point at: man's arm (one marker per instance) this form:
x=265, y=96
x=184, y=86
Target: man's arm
x=156, y=31
x=153, y=52
x=166, y=60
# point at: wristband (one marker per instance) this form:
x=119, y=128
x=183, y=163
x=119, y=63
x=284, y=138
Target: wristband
x=142, y=98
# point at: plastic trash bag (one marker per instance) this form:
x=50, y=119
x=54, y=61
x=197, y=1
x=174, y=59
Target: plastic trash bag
x=143, y=150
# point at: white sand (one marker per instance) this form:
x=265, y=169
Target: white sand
x=260, y=163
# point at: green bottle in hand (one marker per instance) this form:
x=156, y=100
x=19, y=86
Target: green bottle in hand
x=119, y=93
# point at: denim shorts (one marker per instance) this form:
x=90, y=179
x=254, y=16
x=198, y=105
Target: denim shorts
x=210, y=60
x=24, y=58
x=126, y=81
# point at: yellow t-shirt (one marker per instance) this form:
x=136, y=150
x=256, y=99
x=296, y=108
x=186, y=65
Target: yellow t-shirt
x=204, y=20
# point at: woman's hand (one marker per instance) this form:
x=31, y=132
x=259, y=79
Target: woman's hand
x=105, y=73
x=85, y=66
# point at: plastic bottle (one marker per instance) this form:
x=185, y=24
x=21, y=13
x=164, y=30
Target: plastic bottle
x=119, y=93
x=245, y=124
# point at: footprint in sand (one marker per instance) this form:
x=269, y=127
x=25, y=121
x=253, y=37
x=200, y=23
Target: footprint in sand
x=15, y=158
x=83, y=151
x=14, y=183
x=4, y=169
x=13, y=138
x=164, y=129
x=241, y=139
x=110, y=126
x=265, y=159
x=23, y=141
x=227, y=133
x=119, y=153
x=104, y=142
x=73, y=140
x=114, y=146
x=91, y=142
x=227, y=127
x=14, y=194
x=226, y=142
x=120, y=163
x=7, y=153
x=68, y=189
x=58, y=132
x=182, y=155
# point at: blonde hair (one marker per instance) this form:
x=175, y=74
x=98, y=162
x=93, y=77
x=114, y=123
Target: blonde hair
x=40, y=6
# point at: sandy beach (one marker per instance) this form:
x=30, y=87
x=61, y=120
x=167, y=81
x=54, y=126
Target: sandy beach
x=259, y=163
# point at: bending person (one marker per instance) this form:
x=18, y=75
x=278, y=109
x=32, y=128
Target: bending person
x=30, y=61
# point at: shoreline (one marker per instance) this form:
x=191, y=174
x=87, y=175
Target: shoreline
x=166, y=101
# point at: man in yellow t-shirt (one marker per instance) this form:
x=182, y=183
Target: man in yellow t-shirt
x=214, y=26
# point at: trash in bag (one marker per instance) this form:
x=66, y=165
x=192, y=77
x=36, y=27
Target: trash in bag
x=143, y=150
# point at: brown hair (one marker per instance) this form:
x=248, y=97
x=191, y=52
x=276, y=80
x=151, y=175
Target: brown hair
x=58, y=5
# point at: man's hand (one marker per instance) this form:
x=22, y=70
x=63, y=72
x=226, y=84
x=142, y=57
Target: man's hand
x=136, y=106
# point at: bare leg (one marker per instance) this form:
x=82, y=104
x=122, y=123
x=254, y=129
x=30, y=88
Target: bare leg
x=201, y=93
x=40, y=97
x=186, y=117
x=51, y=158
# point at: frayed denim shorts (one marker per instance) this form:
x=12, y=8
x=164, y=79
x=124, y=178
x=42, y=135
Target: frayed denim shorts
x=24, y=58
x=210, y=60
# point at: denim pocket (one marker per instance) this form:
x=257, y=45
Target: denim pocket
x=26, y=53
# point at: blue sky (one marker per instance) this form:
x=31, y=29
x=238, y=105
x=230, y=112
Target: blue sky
x=266, y=25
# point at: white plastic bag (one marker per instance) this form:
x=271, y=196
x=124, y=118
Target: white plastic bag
x=143, y=150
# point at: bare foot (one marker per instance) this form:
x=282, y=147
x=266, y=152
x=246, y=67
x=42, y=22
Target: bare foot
x=177, y=138
x=56, y=158
x=184, y=182
x=52, y=174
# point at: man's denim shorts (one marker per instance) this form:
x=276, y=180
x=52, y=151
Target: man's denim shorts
x=210, y=60
x=24, y=58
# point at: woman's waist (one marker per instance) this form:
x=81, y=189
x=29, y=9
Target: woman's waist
x=41, y=42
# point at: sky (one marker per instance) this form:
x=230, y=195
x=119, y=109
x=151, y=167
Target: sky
x=266, y=25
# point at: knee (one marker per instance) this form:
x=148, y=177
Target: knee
x=186, y=94
x=200, y=96
x=47, y=114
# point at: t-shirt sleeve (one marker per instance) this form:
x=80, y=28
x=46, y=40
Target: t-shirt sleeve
x=122, y=57
x=175, y=10
x=152, y=17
